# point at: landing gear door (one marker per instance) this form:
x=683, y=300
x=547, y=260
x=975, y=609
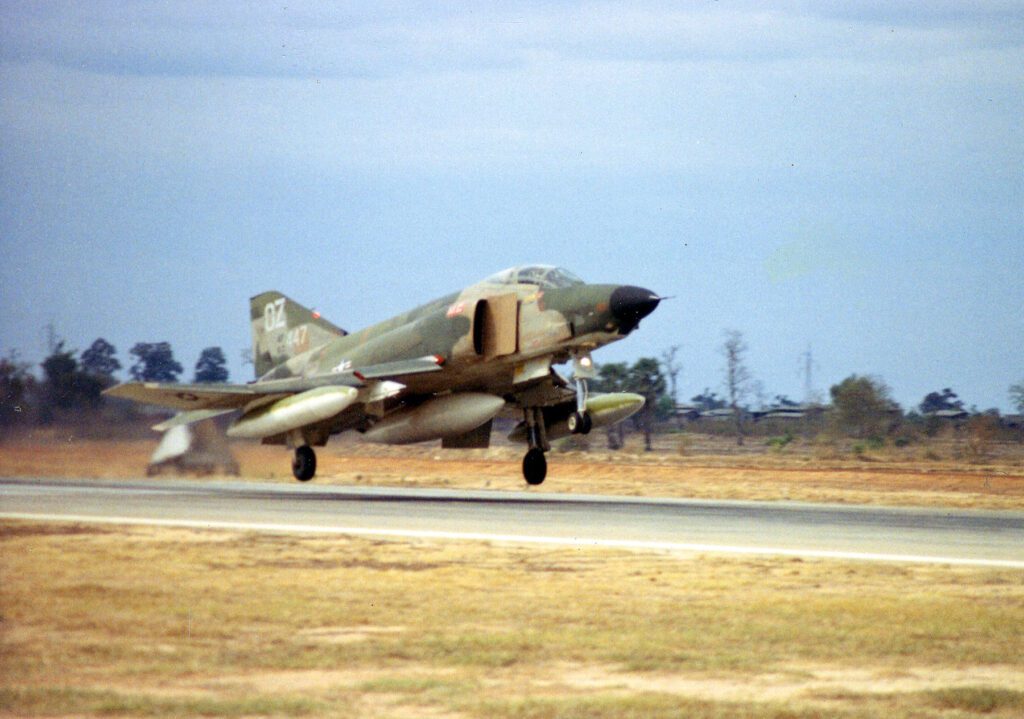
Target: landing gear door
x=496, y=326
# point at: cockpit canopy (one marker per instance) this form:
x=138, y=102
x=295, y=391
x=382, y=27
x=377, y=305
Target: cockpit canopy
x=544, y=276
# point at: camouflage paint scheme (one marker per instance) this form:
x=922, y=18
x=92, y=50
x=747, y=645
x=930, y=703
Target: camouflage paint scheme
x=500, y=336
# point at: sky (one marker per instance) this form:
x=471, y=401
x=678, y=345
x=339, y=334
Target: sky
x=844, y=178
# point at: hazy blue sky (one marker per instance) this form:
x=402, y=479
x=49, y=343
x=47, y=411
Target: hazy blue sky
x=845, y=175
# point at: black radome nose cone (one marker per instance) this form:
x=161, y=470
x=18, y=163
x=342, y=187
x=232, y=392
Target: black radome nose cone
x=631, y=304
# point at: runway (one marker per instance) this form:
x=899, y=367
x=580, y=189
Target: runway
x=938, y=536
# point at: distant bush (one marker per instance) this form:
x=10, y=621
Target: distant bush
x=981, y=431
x=684, y=443
x=863, y=406
x=777, y=443
x=860, y=449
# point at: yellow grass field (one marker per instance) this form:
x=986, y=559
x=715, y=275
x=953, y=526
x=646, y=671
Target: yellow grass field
x=143, y=622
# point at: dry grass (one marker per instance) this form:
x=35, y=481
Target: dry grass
x=765, y=476
x=168, y=622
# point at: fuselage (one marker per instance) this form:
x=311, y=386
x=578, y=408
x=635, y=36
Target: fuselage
x=485, y=333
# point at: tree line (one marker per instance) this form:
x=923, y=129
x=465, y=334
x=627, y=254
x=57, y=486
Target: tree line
x=74, y=381
x=862, y=406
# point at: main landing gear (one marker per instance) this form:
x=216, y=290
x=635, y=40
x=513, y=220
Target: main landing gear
x=535, y=465
x=304, y=463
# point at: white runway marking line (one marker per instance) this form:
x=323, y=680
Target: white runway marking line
x=522, y=539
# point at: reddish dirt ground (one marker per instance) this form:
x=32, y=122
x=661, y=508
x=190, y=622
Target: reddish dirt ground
x=750, y=475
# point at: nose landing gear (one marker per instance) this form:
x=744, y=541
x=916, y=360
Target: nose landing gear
x=580, y=421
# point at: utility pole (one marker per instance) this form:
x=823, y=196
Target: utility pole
x=807, y=370
x=51, y=338
x=672, y=369
x=810, y=396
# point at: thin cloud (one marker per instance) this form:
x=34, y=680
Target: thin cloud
x=328, y=41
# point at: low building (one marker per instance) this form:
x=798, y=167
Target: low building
x=948, y=415
x=788, y=413
x=687, y=412
x=725, y=414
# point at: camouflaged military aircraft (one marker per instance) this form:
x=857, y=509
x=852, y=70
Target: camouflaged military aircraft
x=442, y=371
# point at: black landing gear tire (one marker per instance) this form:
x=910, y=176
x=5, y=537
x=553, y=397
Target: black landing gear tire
x=535, y=466
x=580, y=423
x=304, y=463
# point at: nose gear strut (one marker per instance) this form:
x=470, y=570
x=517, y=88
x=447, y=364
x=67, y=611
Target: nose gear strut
x=580, y=421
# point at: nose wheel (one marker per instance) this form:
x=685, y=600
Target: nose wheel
x=580, y=422
x=304, y=463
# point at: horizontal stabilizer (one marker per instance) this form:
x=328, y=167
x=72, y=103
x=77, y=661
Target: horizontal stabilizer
x=352, y=377
x=391, y=370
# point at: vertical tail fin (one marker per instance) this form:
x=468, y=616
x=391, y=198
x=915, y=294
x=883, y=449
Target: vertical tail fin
x=282, y=329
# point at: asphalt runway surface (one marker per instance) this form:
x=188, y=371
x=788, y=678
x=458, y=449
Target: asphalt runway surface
x=939, y=536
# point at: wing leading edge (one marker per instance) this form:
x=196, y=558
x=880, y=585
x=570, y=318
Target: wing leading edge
x=227, y=397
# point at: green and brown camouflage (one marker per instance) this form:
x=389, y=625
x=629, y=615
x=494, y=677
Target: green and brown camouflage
x=489, y=321
x=497, y=338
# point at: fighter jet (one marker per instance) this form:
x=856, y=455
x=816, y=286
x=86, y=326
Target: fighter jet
x=443, y=371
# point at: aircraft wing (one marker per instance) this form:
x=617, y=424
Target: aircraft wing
x=223, y=396
x=187, y=396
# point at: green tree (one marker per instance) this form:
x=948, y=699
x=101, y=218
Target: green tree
x=645, y=378
x=154, y=363
x=708, y=400
x=613, y=377
x=100, y=362
x=1017, y=397
x=16, y=385
x=211, y=366
x=937, y=401
x=862, y=406
x=66, y=386
x=672, y=368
